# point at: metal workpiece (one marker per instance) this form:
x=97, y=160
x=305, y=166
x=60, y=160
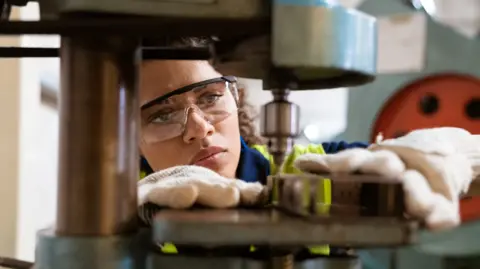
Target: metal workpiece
x=323, y=45
x=98, y=150
x=352, y=195
x=178, y=261
x=211, y=228
x=280, y=124
x=106, y=252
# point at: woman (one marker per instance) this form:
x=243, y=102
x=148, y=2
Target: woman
x=197, y=135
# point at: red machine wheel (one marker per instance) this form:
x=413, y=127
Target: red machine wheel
x=434, y=101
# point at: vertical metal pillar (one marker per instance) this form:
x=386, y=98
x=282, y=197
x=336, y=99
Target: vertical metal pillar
x=98, y=158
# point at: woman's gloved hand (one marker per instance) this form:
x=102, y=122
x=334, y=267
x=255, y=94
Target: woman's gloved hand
x=435, y=166
x=181, y=187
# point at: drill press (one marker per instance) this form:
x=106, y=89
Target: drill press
x=300, y=44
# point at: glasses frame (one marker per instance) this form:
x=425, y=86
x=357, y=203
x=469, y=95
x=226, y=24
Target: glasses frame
x=160, y=99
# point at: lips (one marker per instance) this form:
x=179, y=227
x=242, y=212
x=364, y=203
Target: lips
x=206, y=154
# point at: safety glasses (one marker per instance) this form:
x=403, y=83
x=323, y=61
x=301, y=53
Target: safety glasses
x=166, y=117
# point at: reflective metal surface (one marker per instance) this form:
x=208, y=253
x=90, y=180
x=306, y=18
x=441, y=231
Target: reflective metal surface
x=98, y=156
x=327, y=47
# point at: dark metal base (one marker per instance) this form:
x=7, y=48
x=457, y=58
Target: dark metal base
x=55, y=251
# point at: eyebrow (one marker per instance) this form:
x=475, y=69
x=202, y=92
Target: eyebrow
x=164, y=98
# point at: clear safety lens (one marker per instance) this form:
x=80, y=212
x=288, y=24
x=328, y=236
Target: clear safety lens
x=213, y=100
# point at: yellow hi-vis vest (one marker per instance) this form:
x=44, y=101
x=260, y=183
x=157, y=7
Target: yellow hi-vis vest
x=287, y=168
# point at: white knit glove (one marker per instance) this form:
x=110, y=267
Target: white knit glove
x=181, y=187
x=435, y=166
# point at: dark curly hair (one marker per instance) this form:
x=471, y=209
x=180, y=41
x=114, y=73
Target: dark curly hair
x=246, y=112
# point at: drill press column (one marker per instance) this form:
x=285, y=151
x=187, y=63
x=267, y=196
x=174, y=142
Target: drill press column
x=98, y=158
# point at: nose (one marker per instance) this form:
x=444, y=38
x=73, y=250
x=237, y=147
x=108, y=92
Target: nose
x=197, y=128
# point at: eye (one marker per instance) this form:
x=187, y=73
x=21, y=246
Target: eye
x=209, y=99
x=162, y=116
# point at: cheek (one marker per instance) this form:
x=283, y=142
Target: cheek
x=230, y=132
x=164, y=155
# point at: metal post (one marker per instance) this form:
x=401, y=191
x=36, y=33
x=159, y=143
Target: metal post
x=98, y=158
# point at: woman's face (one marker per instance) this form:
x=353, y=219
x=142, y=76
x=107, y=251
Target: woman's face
x=215, y=146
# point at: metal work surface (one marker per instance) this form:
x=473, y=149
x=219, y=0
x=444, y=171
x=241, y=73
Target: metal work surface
x=271, y=227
